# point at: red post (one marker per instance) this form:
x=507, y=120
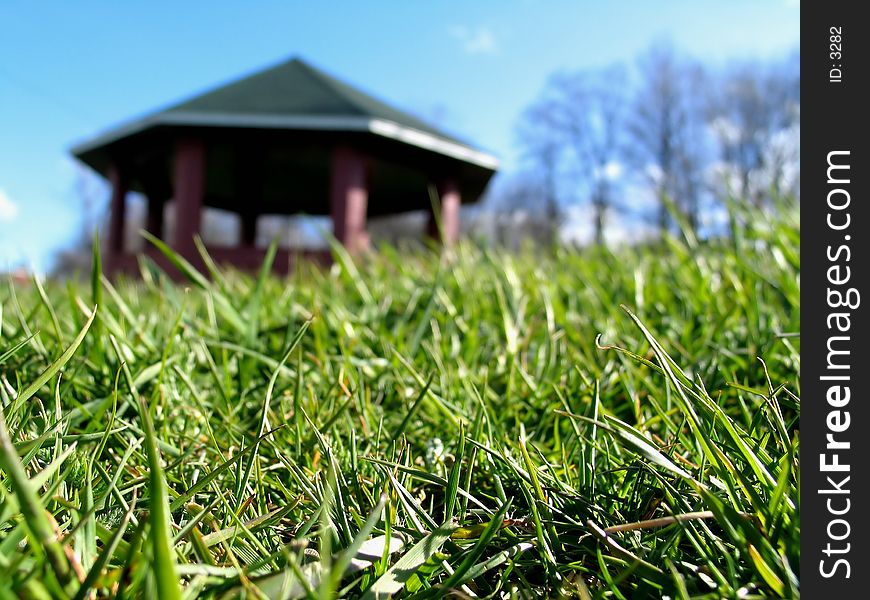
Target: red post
x=154, y=222
x=249, y=193
x=119, y=182
x=349, y=199
x=189, y=192
x=450, y=202
x=249, y=228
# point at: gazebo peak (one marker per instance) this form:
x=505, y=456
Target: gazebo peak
x=296, y=88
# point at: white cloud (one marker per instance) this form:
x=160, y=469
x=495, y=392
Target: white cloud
x=480, y=40
x=611, y=171
x=8, y=209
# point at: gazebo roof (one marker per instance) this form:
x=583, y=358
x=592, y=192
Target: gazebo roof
x=294, y=96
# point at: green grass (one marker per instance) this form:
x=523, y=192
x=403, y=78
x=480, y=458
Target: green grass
x=590, y=423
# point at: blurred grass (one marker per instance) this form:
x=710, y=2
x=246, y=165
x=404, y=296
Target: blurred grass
x=588, y=423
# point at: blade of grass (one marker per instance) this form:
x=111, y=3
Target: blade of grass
x=53, y=368
x=396, y=576
x=165, y=575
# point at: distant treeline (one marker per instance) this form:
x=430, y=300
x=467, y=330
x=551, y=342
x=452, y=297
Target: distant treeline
x=664, y=142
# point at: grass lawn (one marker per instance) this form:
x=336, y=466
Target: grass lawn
x=593, y=424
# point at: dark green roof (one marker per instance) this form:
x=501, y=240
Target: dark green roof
x=295, y=95
x=297, y=88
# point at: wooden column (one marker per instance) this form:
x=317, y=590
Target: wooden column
x=118, y=209
x=249, y=229
x=189, y=192
x=154, y=219
x=449, y=203
x=349, y=199
x=249, y=190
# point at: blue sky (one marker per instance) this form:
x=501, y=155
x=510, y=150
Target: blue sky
x=71, y=69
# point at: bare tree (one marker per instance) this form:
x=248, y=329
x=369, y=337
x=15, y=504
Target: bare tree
x=666, y=133
x=590, y=109
x=539, y=138
x=755, y=115
x=575, y=130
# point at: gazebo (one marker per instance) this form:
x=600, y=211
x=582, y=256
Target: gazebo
x=287, y=140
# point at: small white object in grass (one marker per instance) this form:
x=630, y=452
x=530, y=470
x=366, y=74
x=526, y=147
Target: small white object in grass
x=434, y=452
x=707, y=579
